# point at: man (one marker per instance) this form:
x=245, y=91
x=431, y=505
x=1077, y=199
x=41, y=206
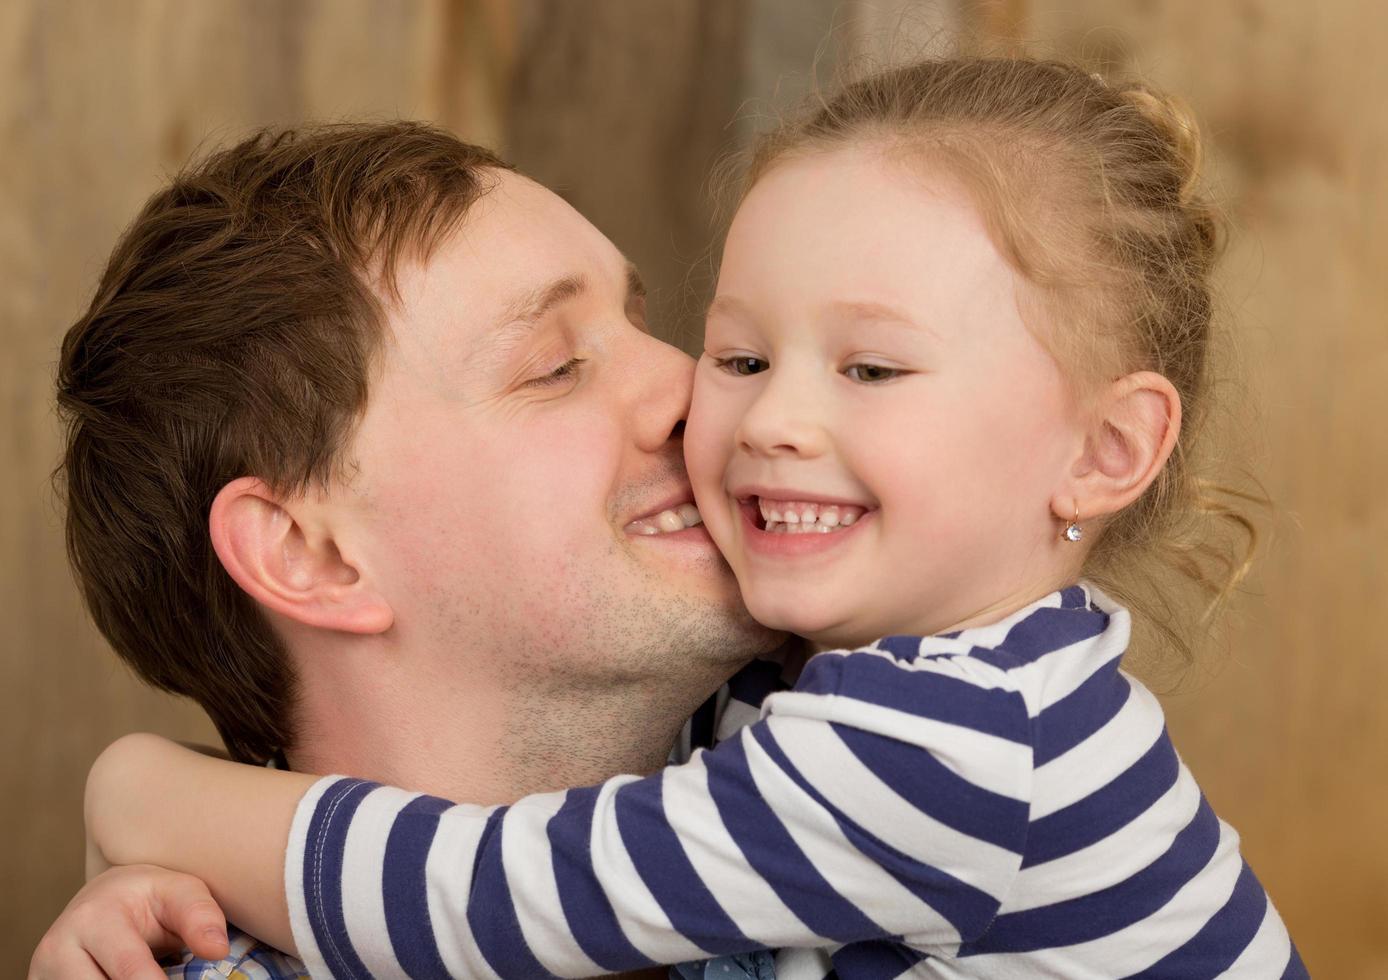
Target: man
x=369, y=452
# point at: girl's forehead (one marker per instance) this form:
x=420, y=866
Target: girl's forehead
x=856, y=225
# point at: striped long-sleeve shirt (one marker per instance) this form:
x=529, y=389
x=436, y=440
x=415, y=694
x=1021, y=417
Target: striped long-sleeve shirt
x=1000, y=802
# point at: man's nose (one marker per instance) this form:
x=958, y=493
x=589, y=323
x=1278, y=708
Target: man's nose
x=663, y=384
x=786, y=419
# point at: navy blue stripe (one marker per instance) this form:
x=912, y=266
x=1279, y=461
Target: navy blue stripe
x=405, y=891
x=1081, y=713
x=660, y=860
x=491, y=915
x=587, y=908
x=923, y=693
x=874, y=959
x=1104, y=912
x=1219, y=942
x=1044, y=631
x=966, y=908
x=753, y=683
x=1073, y=597
x=701, y=724
x=935, y=789
x=326, y=842
x=1106, y=810
x=903, y=648
x=773, y=854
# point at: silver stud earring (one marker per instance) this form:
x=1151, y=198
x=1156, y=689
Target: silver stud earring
x=1073, y=532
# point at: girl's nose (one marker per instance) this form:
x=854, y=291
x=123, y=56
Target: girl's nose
x=787, y=419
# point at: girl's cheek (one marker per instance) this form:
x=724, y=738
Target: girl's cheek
x=702, y=450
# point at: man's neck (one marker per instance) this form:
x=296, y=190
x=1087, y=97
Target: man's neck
x=492, y=740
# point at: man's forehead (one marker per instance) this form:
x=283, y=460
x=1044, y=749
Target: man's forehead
x=520, y=253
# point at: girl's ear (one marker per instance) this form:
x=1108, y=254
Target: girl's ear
x=1137, y=420
x=283, y=554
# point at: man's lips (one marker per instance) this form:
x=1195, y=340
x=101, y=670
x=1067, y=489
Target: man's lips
x=674, y=513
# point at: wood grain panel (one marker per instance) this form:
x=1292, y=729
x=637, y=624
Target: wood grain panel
x=623, y=105
x=97, y=102
x=1283, y=725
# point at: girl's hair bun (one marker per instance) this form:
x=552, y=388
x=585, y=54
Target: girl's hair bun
x=1175, y=123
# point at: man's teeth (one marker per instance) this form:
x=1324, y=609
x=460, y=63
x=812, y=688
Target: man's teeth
x=667, y=521
x=796, y=517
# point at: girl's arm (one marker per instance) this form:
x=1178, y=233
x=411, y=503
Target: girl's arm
x=217, y=820
x=880, y=798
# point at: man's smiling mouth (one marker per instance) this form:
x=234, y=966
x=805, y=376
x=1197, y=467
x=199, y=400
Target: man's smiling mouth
x=667, y=521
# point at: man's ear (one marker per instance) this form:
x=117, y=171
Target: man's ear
x=1137, y=420
x=286, y=560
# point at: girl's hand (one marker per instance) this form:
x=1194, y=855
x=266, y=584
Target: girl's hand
x=113, y=927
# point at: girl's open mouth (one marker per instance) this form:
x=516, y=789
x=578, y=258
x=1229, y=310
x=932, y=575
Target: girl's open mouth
x=798, y=526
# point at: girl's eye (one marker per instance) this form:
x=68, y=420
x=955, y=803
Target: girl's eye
x=742, y=365
x=563, y=372
x=872, y=373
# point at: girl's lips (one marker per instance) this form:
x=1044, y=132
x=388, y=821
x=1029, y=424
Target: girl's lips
x=778, y=545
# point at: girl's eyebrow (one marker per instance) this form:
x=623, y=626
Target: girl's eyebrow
x=728, y=306
x=863, y=310
x=839, y=310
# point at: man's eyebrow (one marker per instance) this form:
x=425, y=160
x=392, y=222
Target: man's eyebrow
x=533, y=305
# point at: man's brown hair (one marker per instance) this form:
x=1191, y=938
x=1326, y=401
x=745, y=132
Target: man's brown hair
x=232, y=335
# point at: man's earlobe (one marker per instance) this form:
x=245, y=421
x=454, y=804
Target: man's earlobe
x=280, y=557
x=1135, y=431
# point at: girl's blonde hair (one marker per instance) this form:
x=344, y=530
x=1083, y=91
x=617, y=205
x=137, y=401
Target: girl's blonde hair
x=1091, y=191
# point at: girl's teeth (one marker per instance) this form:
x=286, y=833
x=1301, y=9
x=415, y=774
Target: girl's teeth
x=784, y=517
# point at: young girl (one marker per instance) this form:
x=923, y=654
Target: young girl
x=962, y=309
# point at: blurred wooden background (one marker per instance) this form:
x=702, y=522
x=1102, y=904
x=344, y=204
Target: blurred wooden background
x=622, y=105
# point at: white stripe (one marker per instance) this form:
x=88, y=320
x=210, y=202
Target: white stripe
x=644, y=923
x=363, y=857
x=448, y=872
x=1101, y=758
x=803, y=964
x=736, y=716
x=718, y=861
x=1266, y=954
x=985, y=760
x=1146, y=941
x=1058, y=674
x=529, y=864
x=1113, y=859
x=862, y=883
x=294, y=886
x=856, y=792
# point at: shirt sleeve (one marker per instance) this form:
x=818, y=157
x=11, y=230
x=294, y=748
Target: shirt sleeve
x=881, y=797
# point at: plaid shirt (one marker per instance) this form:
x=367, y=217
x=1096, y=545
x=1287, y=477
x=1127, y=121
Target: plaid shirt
x=249, y=959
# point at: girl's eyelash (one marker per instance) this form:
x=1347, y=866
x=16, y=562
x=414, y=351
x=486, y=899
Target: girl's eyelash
x=887, y=373
x=730, y=364
x=561, y=373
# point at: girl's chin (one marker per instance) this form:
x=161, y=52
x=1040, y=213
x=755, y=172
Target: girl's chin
x=819, y=629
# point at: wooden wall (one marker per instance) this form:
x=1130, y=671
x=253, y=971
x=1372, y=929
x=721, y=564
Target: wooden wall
x=622, y=105
x=1285, y=727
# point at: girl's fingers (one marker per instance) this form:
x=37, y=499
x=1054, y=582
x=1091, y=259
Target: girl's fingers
x=69, y=963
x=185, y=908
x=123, y=955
